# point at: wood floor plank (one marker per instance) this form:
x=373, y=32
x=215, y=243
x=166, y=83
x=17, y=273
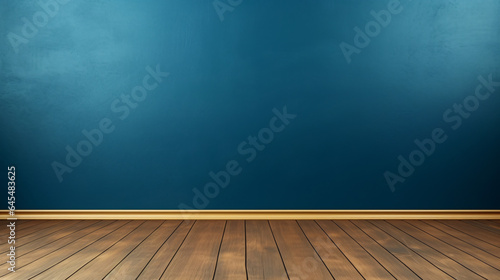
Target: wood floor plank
x=33, y=230
x=461, y=257
x=492, y=223
x=43, y=233
x=334, y=259
x=46, y=262
x=130, y=267
x=46, y=240
x=162, y=258
x=46, y=249
x=446, y=264
x=300, y=258
x=397, y=269
x=231, y=262
x=21, y=225
x=72, y=263
x=237, y=250
x=197, y=256
x=482, y=234
x=457, y=243
x=364, y=262
x=493, y=227
x=5, y=231
x=40, y=224
x=487, y=247
x=100, y=266
x=415, y=262
x=263, y=258
x=18, y=221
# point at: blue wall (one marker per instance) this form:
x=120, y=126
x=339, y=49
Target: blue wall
x=360, y=90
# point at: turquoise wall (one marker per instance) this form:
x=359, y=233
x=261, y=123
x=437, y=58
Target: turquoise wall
x=251, y=104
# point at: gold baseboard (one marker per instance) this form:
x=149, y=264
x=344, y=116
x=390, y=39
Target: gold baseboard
x=250, y=214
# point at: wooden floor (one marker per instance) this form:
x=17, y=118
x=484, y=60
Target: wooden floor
x=356, y=249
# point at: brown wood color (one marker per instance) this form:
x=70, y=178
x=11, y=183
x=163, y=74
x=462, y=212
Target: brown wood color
x=255, y=249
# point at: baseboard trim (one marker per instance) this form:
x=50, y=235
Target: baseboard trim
x=249, y=214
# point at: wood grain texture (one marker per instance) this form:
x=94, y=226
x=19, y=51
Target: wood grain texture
x=132, y=265
x=257, y=249
x=476, y=232
x=466, y=260
x=28, y=253
x=397, y=268
x=263, y=258
x=49, y=248
x=38, y=234
x=299, y=257
x=332, y=256
x=20, y=225
x=76, y=261
x=162, y=258
x=100, y=266
x=487, y=225
x=459, y=244
x=422, y=267
x=22, y=248
x=487, y=247
x=46, y=262
x=197, y=256
x=364, y=262
x=32, y=231
x=231, y=262
x=436, y=258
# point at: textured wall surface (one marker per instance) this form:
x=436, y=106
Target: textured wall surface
x=236, y=104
